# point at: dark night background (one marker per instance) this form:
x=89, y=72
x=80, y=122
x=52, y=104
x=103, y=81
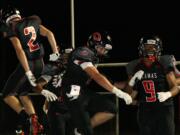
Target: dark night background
x=127, y=21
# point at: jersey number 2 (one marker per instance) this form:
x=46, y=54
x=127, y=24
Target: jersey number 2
x=150, y=89
x=30, y=30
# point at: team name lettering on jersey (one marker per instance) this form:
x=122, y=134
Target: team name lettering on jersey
x=149, y=76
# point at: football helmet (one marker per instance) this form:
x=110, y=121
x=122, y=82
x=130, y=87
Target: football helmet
x=100, y=39
x=150, y=40
x=9, y=13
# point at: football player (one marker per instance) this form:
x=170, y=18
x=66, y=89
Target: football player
x=80, y=99
x=156, y=88
x=24, y=34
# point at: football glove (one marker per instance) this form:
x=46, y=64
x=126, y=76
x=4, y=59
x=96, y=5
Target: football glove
x=163, y=96
x=137, y=76
x=125, y=96
x=49, y=95
x=31, y=78
x=54, y=56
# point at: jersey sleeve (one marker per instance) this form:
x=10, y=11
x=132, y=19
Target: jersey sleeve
x=47, y=78
x=6, y=30
x=3, y=30
x=3, y=27
x=167, y=62
x=130, y=67
x=10, y=33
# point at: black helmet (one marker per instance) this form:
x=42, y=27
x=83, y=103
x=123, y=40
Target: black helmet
x=153, y=40
x=9, y=13
x=99, y=39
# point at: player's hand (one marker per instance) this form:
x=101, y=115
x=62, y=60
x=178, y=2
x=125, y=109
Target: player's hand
x=125, y=96
x=163, y=96
x=49, y=95
x=137, y=76
x=54, y=56
x=31, y=78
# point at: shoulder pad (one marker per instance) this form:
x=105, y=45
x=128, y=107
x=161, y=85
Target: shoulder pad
x=167, y=62
x=131, y=66
x=36, y=18
x=83, y=54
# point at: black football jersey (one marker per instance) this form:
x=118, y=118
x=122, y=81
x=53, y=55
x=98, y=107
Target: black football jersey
x=154, y=79
x=28, y=31
x=59, y=105
x=49, y=72
x=74, y=73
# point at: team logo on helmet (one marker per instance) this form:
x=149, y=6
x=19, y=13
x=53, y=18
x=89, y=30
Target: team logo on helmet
x=96, y=36
x=99, y=39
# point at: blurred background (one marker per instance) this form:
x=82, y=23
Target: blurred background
x=126, y=21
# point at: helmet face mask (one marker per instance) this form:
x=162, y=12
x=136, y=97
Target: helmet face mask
x=150, y=47
x=100, y=43
x=9, y=13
